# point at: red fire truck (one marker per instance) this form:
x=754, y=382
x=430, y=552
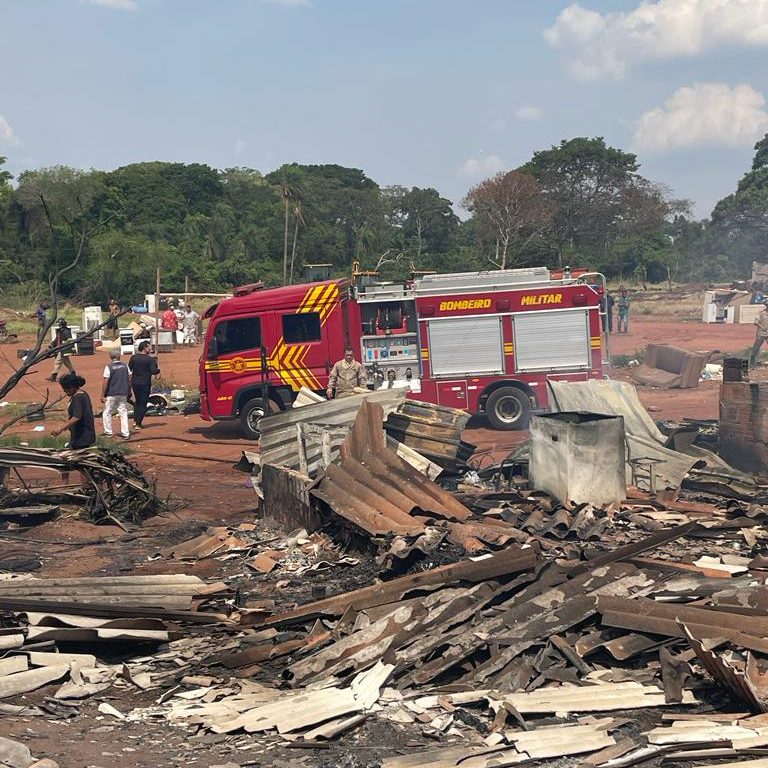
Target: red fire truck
x=486, y=342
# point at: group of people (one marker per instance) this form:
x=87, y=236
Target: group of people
x=175, y=318
x=118, y=382
x=607, y=304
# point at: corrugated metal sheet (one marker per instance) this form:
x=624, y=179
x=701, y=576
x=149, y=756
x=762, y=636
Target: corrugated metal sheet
x=278, y=432
x=41, y=458
x=432, y=430
x=737, y=681
x=376, y=490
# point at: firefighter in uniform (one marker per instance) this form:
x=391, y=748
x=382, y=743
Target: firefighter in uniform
x=345, y=375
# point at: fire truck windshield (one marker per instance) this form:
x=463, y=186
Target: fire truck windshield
x=235, y=336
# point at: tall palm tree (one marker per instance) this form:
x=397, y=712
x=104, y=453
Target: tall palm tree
x=298, y=219
x=289, y=195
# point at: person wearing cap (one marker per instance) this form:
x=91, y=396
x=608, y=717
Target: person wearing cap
x=114, y=394
x=168, y=320
x=761, y=334
x=63, y=335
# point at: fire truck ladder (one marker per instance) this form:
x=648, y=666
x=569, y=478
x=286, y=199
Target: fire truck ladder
x=498, y=280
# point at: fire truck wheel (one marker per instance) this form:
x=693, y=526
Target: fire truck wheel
x=251, y=414
x=508, y=408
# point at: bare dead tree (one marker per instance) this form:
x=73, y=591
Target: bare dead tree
x=511, y=210
x=38, y=353
x=389, y=257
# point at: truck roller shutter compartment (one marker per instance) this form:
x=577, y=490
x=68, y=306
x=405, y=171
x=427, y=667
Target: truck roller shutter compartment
x=552, y=340
x=466, y=345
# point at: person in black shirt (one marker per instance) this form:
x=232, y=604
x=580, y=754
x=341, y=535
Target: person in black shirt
x=82, y=430
x=143, y=367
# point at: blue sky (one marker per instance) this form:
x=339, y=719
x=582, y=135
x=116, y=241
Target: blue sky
x=417, y=92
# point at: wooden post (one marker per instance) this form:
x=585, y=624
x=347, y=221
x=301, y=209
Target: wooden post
x=325, y=447
x=186, y=289
x=302, y=449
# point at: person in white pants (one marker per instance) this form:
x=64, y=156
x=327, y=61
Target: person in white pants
x=114, y=394
x=189, y=322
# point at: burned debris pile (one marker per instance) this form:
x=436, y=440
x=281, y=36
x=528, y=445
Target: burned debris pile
x=525, y=653
x=477, y=659
x=90, y=636
x=107, y=487
x=496, y=624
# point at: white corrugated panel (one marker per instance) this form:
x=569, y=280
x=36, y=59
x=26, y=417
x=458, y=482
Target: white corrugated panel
x=545, y=340
x=466, y=345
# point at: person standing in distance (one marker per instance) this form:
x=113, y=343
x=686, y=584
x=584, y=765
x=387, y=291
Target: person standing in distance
x=142, y=367
x=345, y=375
x=63, y=335
x=189, y=325
x=169, y=320
x=114, y=313
x=114, y=394
x=623, y=310
x=42, y=319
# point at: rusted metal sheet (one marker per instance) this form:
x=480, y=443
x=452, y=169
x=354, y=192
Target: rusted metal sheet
x=504, y=563
x=644, y=615
x=635, y=548
x=735, y=680
x=432, y=430
x=279, y=436
x=585, y=523
x=376, y=490
x=517, y=625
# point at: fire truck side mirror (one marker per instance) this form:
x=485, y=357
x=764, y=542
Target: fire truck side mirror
x=213, y=348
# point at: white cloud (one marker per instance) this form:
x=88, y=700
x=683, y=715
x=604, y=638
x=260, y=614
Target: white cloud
x=6, y=132
x=118, y=5
x=704, y=114
x=529, y=114
x=240, y=146
x=499, y=125
x=475, y=168
x=599, y=46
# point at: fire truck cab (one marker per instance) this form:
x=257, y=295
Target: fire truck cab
x=486, y=342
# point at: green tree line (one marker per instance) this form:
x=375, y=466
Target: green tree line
x=581, y=203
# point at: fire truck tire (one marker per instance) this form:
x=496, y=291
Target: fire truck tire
x=508, y=408
x=251, y=414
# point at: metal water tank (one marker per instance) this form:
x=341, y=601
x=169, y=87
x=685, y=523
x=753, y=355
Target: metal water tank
x=579, y=457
